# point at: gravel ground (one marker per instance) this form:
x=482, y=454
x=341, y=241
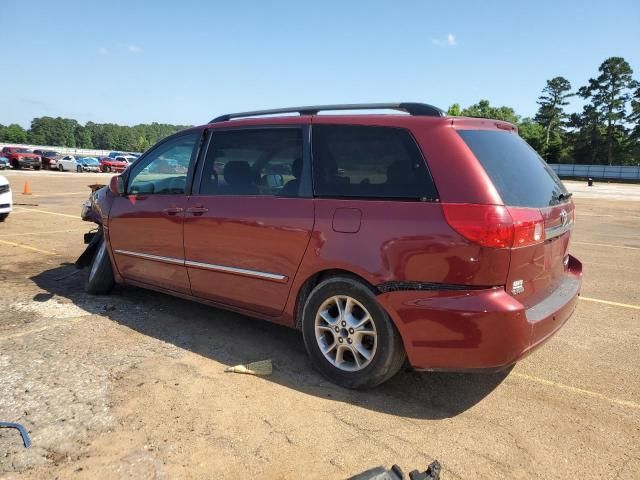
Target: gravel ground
x=131, y=385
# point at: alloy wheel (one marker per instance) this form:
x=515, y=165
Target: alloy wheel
x=346, y=333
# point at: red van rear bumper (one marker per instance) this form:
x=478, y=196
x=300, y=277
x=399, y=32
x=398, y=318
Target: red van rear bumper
x=484, y=329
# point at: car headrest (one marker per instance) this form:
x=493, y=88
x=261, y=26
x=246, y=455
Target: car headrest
x=238, y=173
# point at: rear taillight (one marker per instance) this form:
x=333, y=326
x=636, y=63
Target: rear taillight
x=495, y=225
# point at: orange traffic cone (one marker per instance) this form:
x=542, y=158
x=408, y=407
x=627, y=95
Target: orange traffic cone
x=27, y=189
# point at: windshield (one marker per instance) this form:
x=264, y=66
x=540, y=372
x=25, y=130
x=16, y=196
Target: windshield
x=49, y=153
x=22, y=150
x=521, y=176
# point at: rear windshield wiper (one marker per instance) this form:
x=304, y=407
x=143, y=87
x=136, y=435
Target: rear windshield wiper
x=564, y=196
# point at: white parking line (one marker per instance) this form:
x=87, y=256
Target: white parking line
x=27, y=247
x=608, y=302
x=581, y=391
x=40, y=233
x=47, y=212
x=605, y=245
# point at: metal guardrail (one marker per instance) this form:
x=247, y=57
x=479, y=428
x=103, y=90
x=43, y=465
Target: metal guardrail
x=602, y=172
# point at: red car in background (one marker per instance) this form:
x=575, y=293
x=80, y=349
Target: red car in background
x=21, y=157
x=439, y=240
x=108, y=164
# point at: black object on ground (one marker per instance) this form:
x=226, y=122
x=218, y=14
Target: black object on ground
x=590, y=182
x=23, y=432
x=395, y=473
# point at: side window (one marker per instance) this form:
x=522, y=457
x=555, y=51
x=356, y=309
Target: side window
x=164, y=170
x=368, y=162
x=254, y=162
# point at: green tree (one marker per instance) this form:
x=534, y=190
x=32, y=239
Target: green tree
x=634, y=117
x=586, y=139
x=83, y=137
x=13, y=133
x=454, y=110
x=551, y=114
x=483, y=109
x=533, y=133
x=609, y=94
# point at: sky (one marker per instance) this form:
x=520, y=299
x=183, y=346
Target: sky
x=185, y=62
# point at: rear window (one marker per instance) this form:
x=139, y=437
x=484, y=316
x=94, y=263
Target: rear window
x=369, y=162
x=521, y=176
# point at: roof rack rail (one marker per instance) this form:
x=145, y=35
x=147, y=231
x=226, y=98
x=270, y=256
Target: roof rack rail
x=421, y=109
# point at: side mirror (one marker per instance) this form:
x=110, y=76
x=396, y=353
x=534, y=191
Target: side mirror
x=116, y=185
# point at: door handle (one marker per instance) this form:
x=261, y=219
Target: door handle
x=173, y=210
x=197, y=210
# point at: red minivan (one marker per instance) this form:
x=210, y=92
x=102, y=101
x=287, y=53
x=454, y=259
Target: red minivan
x=440, y=241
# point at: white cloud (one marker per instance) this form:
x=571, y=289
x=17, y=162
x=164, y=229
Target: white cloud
x=449, y=41
x=130, y=48
x=103, y=51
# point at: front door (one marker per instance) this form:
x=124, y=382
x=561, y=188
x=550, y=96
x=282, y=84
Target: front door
x=248, y=224
x=146, y=225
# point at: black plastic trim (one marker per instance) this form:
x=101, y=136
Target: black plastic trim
x=400, y=286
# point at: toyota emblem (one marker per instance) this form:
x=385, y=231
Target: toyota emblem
x=564, y=218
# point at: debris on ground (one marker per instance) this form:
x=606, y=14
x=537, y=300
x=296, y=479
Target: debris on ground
x=23, y=432
x=263, y=367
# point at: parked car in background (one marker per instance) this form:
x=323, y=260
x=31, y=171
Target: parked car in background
x=6, y=200
x=439, y=240
x=4, y=163
x=128, y=159
x=48, y=158
x=115, y=154
x=87, y=164
x=67, y=163
x=21, y=158
x=108, y=164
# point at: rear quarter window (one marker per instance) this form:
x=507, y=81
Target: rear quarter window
x=369, y=162
x=521, y=176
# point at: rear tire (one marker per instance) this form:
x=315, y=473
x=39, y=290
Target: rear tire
x=100, y=279
x=349, y=337
x=79, y=169
x=60, y=167
x=36, y=168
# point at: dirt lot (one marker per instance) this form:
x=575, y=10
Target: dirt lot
x=132, y=385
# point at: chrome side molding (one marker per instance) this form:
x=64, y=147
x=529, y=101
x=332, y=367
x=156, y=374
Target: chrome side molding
x=205, y=266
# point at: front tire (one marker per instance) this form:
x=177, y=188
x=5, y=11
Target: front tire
x=100, y=279
x=79, y=169
x=349, y=337
x=60, y=167
x=3, y=217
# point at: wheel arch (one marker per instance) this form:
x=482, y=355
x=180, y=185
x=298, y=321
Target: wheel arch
x=315, y=279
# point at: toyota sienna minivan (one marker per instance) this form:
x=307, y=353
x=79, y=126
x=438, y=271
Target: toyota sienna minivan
x=385, y=238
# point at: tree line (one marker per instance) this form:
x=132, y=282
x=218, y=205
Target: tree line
x=605, y=131
x=66, y=132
